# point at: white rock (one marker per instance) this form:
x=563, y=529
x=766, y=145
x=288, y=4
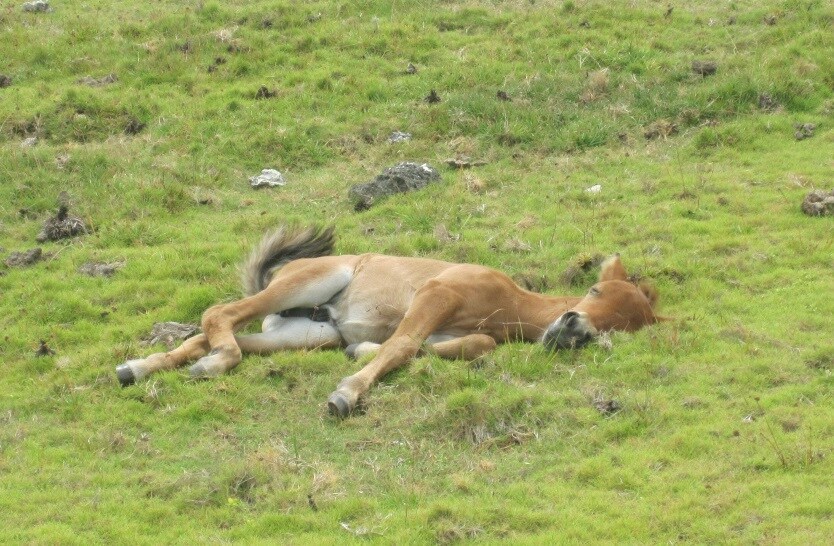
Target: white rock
x=399, y=136
x=268, y=177
x=596, y=188
x=29, y=142
x=37, y=5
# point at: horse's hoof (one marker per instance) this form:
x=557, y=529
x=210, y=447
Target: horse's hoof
x=198, y=371
x=350, y=350
x=338, y=405
x=125, y=375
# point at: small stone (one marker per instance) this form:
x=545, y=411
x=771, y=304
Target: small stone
x=98, y=82
x=767, y=102
x=596, y=188
x=268, y=177
x=502, y=95
x=410, y=69
x=100, y=269
x=61, y=161
x=463, y=162
x=170, y=333
x=5, y=81
x=819, y=203
x=804, y=130
x=399, y=136
x=37, y=6
x=29, y=142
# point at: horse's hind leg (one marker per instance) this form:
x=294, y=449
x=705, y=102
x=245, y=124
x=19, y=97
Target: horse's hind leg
x=134, y=370
x=284, y=333
x=302, y=283
x=281, y=333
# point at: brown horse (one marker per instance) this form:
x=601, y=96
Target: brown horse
x=392, y=307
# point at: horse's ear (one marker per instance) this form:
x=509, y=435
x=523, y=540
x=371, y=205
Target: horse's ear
x=612, y=270
x=649, y=291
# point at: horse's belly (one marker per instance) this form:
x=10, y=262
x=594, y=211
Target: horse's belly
x=358, y=323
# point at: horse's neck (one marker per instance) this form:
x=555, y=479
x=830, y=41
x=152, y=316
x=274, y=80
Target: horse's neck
x=538, y=311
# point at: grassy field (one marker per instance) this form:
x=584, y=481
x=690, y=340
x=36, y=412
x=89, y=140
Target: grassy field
x=727, y=418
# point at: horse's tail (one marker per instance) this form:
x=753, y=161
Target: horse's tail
x=280, y=247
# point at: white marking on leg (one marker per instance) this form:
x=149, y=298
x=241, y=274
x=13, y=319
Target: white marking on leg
x=137, y=366
x=320, y=290
x=290, y=333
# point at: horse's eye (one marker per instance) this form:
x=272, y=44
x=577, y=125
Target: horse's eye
x=594, y=291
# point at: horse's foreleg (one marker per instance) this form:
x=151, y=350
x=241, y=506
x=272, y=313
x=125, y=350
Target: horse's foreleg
x=433, y=305
x=134, y=370
x=466, y=348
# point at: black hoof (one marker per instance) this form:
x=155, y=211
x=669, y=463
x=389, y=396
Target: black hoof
x=338, y=405
x=125, y=375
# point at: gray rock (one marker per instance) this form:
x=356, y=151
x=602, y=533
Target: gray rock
x=819, y=203
x=268, y=177
x=29, y=142
x=399, y=136
x=37, y=5
x=400, y=178
x=98, y=82
x=170, y=333
x=94, y=269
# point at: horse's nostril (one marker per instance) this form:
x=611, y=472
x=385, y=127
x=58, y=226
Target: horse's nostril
x=570, y=318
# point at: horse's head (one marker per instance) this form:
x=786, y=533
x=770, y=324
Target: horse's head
x=614, y=303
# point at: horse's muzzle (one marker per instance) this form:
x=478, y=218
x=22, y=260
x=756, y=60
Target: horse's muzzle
x=570, y=331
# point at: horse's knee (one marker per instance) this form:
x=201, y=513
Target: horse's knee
x=212, y=317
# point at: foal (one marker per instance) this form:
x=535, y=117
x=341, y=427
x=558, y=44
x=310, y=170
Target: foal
x=391, y=307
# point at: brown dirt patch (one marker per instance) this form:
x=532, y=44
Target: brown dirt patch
x=22, y=259
x=662, y=128
x=62, y=226
x=704, y=68
x=265, y=93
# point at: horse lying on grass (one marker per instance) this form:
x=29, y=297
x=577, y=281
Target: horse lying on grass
x=393, y=308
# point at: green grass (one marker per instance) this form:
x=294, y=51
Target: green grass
x=725, y=431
